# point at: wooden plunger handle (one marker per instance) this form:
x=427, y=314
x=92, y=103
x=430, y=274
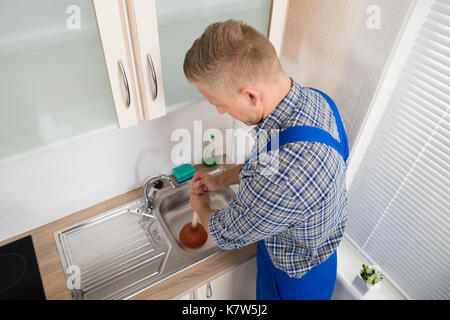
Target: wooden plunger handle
x=194, y=219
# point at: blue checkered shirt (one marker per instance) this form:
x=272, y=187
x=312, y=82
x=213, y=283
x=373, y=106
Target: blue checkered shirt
x=299, y=208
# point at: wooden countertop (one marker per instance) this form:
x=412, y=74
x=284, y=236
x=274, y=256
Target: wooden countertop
x=52, y=274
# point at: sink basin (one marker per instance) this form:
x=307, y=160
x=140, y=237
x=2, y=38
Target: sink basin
x=174, y=210
x=119, y=253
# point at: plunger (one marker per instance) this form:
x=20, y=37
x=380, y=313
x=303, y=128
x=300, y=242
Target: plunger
x=193, y=235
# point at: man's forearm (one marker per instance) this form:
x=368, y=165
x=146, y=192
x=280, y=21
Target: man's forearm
x=204, y=214
x=230, y=176
x=227, y=178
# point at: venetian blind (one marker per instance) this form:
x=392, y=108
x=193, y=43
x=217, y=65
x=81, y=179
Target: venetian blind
x=398, y=202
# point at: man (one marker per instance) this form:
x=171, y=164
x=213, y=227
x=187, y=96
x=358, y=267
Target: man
x=296, y=212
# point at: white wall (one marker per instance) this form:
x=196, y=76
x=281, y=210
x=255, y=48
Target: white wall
x=62, y=180
x=327, y=45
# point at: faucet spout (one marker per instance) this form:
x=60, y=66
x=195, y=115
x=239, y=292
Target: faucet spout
x=149, y=198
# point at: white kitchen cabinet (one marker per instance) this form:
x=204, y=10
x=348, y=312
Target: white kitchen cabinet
x=74, y=67
x=145, y=41
x=236, y=284
x=187, y=296
x=129, y=34
x=54, y=84
x=146, y=46
x=180, y=22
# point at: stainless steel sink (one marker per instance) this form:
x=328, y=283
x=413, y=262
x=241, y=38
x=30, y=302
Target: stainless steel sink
x=126, y=250
x=174, y=210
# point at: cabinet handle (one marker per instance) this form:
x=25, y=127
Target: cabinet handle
x=208, y=291
x=153, y=87
x=125, y=83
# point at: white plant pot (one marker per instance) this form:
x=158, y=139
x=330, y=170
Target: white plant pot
x=372, y=286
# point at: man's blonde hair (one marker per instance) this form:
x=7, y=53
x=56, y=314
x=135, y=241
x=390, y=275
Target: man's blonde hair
x=230, y=54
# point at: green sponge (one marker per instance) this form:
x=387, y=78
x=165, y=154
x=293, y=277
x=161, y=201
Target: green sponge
x=183, y=173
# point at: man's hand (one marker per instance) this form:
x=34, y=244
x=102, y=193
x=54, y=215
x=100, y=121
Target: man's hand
x=200, y=202
x=201, y=205
x=201, y=183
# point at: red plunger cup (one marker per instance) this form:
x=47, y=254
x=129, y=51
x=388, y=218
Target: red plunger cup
x=193, y=235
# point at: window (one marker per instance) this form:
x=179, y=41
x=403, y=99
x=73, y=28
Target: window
x=399, y=197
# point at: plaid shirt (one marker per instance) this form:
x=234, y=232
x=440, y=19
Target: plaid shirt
x=298, y=209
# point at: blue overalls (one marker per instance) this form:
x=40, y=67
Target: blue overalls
x=318, y=284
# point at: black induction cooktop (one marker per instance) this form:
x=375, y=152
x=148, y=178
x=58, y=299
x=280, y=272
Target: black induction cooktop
x=19, y=273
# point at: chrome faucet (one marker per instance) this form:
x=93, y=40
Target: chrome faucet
x=157, y=184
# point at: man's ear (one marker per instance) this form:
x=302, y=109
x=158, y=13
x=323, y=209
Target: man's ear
x=252, y=95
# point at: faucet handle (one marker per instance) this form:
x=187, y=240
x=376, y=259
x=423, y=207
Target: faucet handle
x=157, y=184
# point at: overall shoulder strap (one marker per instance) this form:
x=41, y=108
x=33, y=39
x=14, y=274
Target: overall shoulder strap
x=339, y=123
x=313, y=134
x=304, y=133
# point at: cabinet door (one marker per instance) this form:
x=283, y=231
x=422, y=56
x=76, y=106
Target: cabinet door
x=113, y=27
x=187, y=296
x=145, y=40
x=236, y=284
x=54, y=84
x=180, y=22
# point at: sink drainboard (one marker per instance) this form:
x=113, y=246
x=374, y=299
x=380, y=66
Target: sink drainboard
x=122, y=252
x=114, y=255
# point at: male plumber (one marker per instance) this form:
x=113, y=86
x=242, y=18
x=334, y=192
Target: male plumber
x=295, y=211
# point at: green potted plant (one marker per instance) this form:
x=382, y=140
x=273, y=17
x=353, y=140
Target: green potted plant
x=371, y=276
